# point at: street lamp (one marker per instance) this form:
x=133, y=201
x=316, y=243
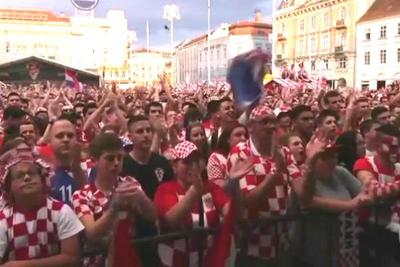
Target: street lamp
x=171, y=13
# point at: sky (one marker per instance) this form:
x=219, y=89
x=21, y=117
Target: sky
x=193, y=20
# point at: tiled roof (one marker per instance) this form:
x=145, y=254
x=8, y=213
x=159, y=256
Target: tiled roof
x=38, y=15
x=381, y=9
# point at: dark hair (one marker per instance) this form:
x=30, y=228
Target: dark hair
x=347, y=149
x=225, y=99
x=13, y=112
x=79, y=105
x=13, y=94
x=284, y=114
x=27, y=122
x=378, y=111
x=286, y=138
x=330, y=94
x=366, y=126
x=88, y=106
x=25, y=101
x=212, y=107
x=297, y=110
x=388, y=129
x=68, y=116
x=190, y=104
x=152, y=104
x=223, y=141
x=12, y=143
x=136, y=118
x=192, y=114
x=324, y=114
x=104, y=142
x=189, y=129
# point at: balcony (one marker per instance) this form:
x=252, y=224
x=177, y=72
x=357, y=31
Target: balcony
x=340, y=24
x=281, y=37
x=339, y=49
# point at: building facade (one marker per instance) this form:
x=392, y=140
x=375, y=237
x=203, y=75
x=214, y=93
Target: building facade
x=94, y=44
x=146, y=66
x=321, y=34
x=378, y=45
x=226, y=42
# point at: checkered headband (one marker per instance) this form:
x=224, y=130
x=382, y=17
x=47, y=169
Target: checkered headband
x=183, y=150
x=18, y=158
x=260, y=111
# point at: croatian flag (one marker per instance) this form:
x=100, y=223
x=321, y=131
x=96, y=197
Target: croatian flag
x=71, y=80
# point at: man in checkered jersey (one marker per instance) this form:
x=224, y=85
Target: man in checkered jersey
x=265, y=188
x=380, y=174
x=188, y=202
x=109, y=199
x=35, y=230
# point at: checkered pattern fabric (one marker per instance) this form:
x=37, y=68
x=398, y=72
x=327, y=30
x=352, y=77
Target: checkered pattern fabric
x=176, y=253
x=348, y=240
x=216, y=168
x=183, y=150
x=32, y=234
x=264, y=242
x=91, y=201
x=260, y=111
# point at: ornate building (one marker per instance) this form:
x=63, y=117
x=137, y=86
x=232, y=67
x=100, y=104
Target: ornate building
x=321, y=34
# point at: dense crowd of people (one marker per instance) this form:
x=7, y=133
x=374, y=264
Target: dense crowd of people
x=83, y=174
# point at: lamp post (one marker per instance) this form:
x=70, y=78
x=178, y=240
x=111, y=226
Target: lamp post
x=171, y=13
x=208, y=43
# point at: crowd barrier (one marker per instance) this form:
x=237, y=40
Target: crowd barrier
x=245, y=228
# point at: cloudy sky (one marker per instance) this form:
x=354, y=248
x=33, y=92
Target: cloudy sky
x=193, y=14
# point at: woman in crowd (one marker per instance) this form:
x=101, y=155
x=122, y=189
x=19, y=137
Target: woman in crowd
x=196, y=134
x=296, y=147
x=351, y=147
x=329, y=236
x=216, y=166
x=186, y=202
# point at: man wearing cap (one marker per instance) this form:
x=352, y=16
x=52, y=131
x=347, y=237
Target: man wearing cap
x=380, y=174
x=35, y=230
x=265, y=187
x=187, y=202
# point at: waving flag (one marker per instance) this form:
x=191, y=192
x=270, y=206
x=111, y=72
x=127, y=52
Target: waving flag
x=246, y=75
x=71, y=80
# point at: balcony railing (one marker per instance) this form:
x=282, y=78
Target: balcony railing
x=339, y=49
x=340, y=24
x=281, y=37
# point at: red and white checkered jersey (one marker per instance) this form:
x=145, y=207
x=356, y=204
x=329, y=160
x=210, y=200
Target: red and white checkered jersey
x=36, y=234
x=175, y=253
x=216, y=168
x=91, y=201
x=265, y=241
x=387, y=180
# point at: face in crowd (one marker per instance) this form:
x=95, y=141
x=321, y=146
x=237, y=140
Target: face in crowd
x=238, y=135
x=29, y=133
x=155, y=112
x=63, y=139
x=141, y=134
x=296, y=147
x=197, y=135
x=226, y=111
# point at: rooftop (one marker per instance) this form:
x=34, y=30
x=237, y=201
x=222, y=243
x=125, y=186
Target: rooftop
x=38, y=15
x=381, y=9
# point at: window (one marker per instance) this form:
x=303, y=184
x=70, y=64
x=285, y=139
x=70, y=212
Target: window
x=312, y=65
x=301, y=46
x=341, y=39
x=367, y=34
x=383, y=56
x=342, y=63
x=383, y=31
x=7, y=47
x=398, y=55
x=301, y=25
x=283, y=27
x=398, y=29
x=326, y=19
x=283, y=50
x=313, y=22
x=367, y=58
x=325, y=41
x=312, y=44
x=326, y=62
x=343, y=13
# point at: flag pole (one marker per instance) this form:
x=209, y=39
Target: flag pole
x=147, y=36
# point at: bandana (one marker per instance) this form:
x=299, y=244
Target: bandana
x=183, y=150
x=260, y=112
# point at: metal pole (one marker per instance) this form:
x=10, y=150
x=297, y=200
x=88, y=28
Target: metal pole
x=208, y=45
x=172, y=47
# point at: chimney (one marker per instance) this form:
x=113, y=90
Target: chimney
x=258, y=15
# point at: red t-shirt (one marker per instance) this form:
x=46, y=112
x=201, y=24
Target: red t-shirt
x=175, y=253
